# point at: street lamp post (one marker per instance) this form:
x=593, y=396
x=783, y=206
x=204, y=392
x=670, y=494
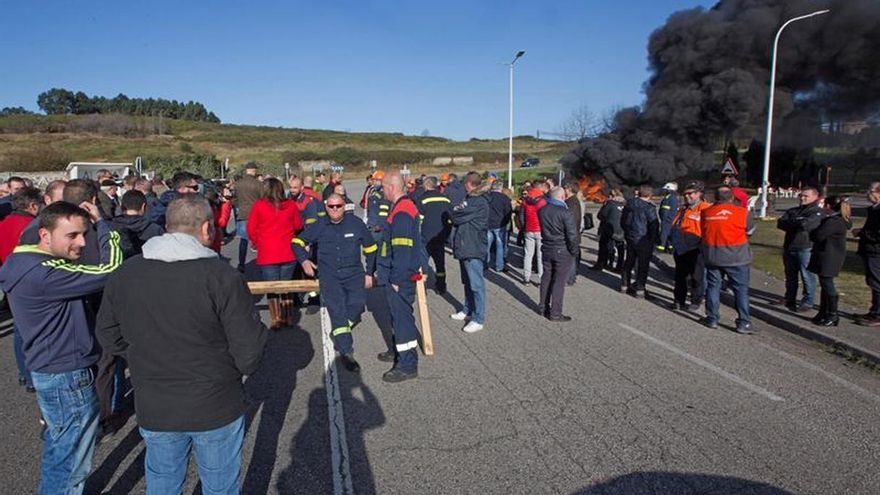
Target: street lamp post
x=765, y=180
x=510, y=150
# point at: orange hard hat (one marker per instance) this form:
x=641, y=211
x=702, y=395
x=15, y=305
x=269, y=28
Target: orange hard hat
x=444, y=177
x=378, y=174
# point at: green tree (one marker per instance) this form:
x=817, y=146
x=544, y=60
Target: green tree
x=56, y=101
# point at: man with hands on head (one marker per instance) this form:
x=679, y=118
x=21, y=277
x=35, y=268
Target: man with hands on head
x=341, y=238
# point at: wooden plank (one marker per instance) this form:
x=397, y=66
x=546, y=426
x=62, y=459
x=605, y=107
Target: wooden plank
x=284, y=286
x=424, y=319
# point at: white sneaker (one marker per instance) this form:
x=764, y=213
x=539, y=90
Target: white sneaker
x=460, y=316
x=472, y=327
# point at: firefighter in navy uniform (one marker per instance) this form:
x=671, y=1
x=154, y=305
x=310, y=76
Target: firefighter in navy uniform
x=378, y=207
x=436, y=210
x=398, y=270
x=308, y=206
x=341, y=238
x=310, y=210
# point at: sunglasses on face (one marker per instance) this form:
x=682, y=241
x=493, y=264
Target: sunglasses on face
x=335, y=207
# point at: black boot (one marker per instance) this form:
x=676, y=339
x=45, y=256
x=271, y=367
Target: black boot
x=823, y=310
x=832, y=319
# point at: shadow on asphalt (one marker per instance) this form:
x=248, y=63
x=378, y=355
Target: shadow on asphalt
x=679, y=483
x=311, y=468
x=270, y=391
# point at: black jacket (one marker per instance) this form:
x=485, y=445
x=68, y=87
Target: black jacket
x=189, y=331
x=134, y=231
x=576, y=210
x=639, y=221
x=869, y=236
x=559, y=231
x=471, y=218
x=436, y=209
x=499, y=210
x=609, y=217
x=829, y=246
x=455, y=191
x=797, y=223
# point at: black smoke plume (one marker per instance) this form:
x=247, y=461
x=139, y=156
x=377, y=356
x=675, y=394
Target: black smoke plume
x=710, y=71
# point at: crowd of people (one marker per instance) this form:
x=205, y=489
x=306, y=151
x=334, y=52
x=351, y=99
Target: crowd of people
x=78, y=256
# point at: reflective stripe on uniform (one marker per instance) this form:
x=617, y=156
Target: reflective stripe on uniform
x=322, y=213
x=372, y=248
x=383, y=213
x=412, y=344
x=384, y=207
x=298, y=242
x=340, y=331
x=401, y=241
x=384, y=252
x=666, y=207
x=436, y=199
x=310, y=221
x=440, y=274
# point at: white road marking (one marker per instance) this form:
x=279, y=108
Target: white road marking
x=342, y=484
x=709, y=366
x=840, y=381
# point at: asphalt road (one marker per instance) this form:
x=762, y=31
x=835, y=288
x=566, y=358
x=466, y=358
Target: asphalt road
x=628, y=398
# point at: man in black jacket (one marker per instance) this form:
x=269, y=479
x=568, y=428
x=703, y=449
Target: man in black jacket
x=640, y=228
x=470, y=246
x=559, y=236
x=436, y=226
x=610, y=233
x=869, y=250
x=188, y=345
x=577, y=213
x=499, y=217
x=133, y=226
x=797, y=223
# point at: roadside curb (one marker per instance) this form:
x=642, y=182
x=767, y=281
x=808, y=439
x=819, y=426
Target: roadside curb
x=804, y=331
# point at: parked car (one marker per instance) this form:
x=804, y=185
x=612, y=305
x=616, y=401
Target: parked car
x=530, y=162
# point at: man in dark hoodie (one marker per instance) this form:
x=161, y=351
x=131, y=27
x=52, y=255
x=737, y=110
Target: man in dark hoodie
x=188, y=346
x=134, y=228
x=471, y=218
x=500, y=209
x=797, y=223
x=640, y=228
x=47, y=294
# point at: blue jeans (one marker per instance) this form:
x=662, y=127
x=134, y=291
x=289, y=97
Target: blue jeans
x=241, y=232
x=497, y=236
x=281, y=271
x=796, y=263
x=738, y=279
x=69, y=405
x=474, y=289
x=217, y=452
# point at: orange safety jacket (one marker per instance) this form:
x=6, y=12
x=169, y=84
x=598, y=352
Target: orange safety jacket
x=726, y=228
x=686, y=232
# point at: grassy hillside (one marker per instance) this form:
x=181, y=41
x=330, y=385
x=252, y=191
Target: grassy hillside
x=35, y=142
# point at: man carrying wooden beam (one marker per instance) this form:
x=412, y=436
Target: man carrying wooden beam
x=340, y=238
x=399, y=266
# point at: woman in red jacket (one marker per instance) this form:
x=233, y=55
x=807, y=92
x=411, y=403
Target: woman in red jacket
x=272, y=224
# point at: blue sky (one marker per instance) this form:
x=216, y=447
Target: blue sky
x=349, y=65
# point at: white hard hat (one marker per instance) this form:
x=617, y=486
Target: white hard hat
x=671, y=186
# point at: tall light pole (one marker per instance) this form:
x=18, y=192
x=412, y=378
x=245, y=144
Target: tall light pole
x=510, y=151
x=765, y=180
